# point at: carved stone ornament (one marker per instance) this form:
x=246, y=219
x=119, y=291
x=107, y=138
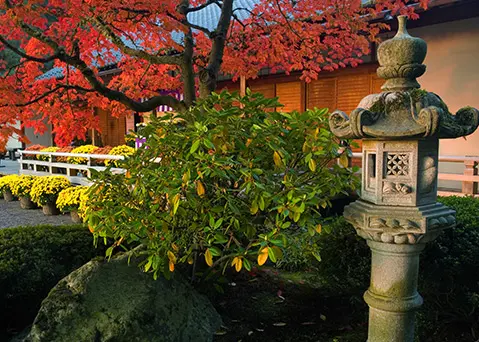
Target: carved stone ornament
x=408, y=225
x=396, y=188
x=403, y=110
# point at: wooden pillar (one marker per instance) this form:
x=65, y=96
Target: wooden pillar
x=93, y=137
x=242, y=85
x=470, y=188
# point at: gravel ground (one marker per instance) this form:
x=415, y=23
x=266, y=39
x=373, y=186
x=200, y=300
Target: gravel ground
x=11, y=215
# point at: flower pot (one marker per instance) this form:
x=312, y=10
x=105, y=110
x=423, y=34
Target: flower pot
x=75, y=217
x=8, y=196
x=50, y=209
x=26, y=203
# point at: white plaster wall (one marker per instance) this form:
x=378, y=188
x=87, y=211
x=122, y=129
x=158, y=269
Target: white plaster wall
x=13, y=141
x=453, y=73
x=45, y=139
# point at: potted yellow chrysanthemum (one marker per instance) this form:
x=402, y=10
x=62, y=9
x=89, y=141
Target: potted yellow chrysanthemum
x=21, y=187
x=45, y=192
x=69, y=201
x=5, y=183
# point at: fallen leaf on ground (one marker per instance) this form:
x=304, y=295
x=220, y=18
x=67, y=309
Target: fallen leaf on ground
x=279, y=324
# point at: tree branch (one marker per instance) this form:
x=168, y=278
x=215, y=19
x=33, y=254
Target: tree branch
x=154, y=59
x=188, y=74
x=209, y=75
x=24, y=55
x=287, y=20
x=48, y=93
x=200, y=7
x=119, y=96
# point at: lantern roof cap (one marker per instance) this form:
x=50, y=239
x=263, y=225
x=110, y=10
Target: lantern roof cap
x=403, y=110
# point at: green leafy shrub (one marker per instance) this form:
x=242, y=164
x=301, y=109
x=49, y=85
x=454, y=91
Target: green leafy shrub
x=338, y=256
x=32, y=261
x=221, y=183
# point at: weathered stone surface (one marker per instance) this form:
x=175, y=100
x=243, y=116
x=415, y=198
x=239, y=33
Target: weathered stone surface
x=397, y=212
x=401, y=59
x=114, y=301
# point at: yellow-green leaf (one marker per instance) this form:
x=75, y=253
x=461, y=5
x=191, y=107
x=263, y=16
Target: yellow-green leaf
x=209, y=258
x=277, y=159
x=344, y=160
x=312, y=165
x=200, y=188
x=263, y=256
x=186, y=176
x=254, y=207
x=261, y=203
x=296, y=216
x=277, y=252
x=171, y=257
x=176, y=202
x=271, y=255
x=148, y=264
x=237, y=263
x=195, y=146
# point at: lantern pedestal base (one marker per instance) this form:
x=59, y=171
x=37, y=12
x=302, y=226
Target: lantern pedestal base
x=392, y=296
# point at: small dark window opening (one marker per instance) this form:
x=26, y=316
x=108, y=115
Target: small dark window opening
x=372, y=165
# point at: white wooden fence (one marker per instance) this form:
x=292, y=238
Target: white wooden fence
x=76, y=173
x=79, y=173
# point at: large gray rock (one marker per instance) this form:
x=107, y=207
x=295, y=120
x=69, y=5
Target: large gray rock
x=114, y=301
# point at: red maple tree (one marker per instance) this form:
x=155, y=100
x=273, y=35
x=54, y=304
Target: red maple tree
x=181, y=45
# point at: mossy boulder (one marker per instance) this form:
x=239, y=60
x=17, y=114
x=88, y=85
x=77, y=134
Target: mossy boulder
x=114, y=301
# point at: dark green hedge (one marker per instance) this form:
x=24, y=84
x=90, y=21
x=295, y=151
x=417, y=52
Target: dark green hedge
x=32, y=261
x=449, y=271
x=449, y=278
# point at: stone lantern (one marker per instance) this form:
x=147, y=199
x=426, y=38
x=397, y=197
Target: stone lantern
x=397, y=212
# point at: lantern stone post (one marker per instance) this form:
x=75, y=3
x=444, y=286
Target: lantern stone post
x=397, y=212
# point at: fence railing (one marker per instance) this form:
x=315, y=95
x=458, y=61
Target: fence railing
x=76, y=173
x=469, y=178
x=79, y=173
